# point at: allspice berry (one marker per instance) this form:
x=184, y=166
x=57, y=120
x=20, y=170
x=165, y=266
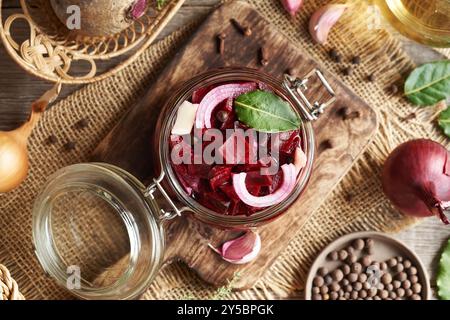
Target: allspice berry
x=363, y=294
x=383, y=266
x=392, y=262
x=358, y=244
x=357, y=286
x=318, y=281
x=335, y=287
x=412, y=271
x=416, y=288
x=322, y=271
x=397, y=284
x=343, y=254
x=356, y=267
x=316, y=297
x=315, y=290
x=386, y=278
x=346, y=269
x=401, y=276
x=409, y=292
x=407, y=264
x=337, y=275
x=334, y=296
x=414, y=279
x=352, y=258
x=324, y=290
x=333, y=256
x=400, y=292
x=399, y=267
x=406, y=284
x=352, y=277
x=416, y=297
x=362, y=277
x=366, y=261
x=384, y=294
x=328, y=280
x=354, y=295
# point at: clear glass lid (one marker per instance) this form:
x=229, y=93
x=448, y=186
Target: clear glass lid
x=96, y=233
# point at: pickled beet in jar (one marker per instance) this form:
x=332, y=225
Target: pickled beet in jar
x=100, y=232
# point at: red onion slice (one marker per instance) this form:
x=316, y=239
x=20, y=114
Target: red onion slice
x=288, y=185
x=215, y=97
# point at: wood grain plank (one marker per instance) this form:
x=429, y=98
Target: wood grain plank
x=127, y=145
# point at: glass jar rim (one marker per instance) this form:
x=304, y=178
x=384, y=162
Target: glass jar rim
x=183, y=93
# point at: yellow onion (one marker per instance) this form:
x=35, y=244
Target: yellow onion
x=13, y=144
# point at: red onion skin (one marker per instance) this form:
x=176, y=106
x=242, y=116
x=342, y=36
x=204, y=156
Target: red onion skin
x=416, y=178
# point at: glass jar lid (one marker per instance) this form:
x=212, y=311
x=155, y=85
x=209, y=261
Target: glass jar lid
x=96, y=232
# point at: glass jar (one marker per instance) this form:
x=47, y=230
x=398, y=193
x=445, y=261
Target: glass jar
x=100, y=232
x=427, y=22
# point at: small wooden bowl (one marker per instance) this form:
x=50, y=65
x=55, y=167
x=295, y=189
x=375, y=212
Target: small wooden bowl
x=51, y=49
x=385, y=247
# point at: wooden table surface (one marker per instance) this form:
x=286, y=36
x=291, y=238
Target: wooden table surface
x=18, y=90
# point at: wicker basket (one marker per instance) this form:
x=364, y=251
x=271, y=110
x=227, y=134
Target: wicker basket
x=8, y=287
x=52, y=50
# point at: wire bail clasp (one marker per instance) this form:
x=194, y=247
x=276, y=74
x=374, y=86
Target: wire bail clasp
x=150, y=193
x=297, y=87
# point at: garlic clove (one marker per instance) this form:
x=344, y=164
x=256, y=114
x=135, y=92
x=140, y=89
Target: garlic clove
x=240, y=250
x=292, y=6
x=324, y=19
x=185, y=118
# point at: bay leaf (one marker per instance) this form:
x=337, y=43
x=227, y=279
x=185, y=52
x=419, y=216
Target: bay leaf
x=443, y=276
x=444, y=121
x=266, y=112
x=429, y=83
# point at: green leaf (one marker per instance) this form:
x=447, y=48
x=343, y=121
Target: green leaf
x=443, y=277
x=429, y=83
x=266, y=112
x=444, y=121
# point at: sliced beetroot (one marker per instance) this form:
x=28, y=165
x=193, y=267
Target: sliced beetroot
x=200, y=93
x=199, y=170
x=235, y=149
x=228, y=190
x=277, y=180
x=254, y=189
x=288, y=146
x=215, y=201
x=219, y=177
x=257, y=179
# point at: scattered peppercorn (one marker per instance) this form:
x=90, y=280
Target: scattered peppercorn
x=70, y=145
x=372, y=77
x=393, y=89
x=348, y=71
x=356, y=60
x=82, y=123
x=52, y=139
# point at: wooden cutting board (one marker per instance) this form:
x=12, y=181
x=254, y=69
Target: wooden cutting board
x=127, y=146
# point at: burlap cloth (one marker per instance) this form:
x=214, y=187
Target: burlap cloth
x=356, y=204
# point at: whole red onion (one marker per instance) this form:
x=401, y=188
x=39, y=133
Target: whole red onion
x=416, y=178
